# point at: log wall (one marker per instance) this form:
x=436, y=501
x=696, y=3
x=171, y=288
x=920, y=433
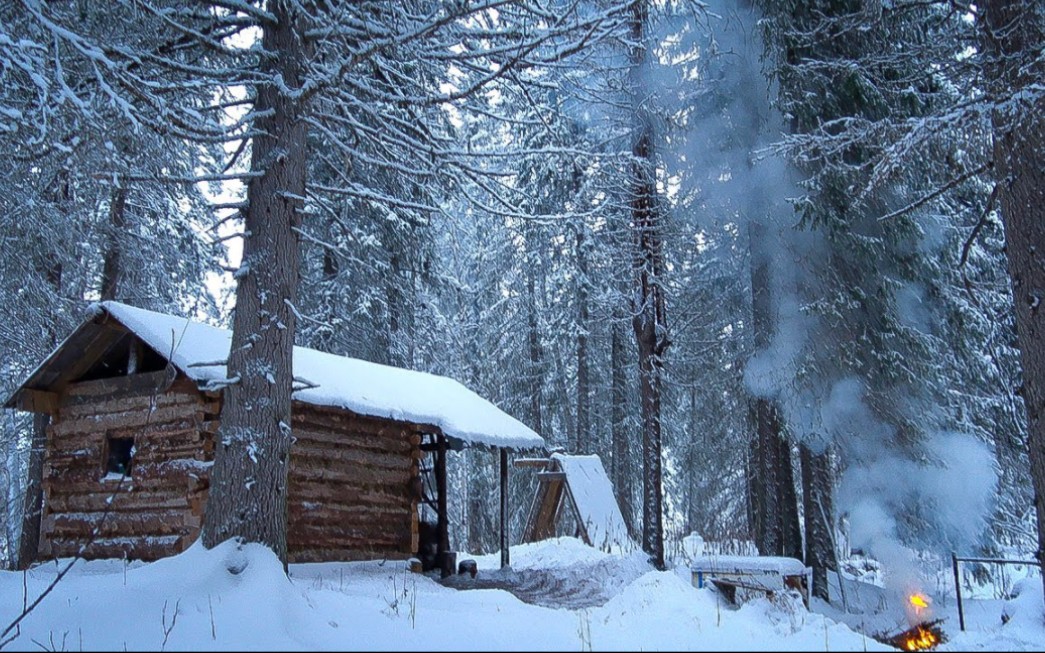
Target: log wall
x=354, y=487
x=157, y=510
x=354, y=481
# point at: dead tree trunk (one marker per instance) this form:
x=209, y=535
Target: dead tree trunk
x=648, y=321
x=1014, y=35
x=248, y=492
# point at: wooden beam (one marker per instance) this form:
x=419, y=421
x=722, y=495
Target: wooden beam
x=37, y=401
x=551, y=476
x=531, y=462
x=443, y=549
x=504, y=508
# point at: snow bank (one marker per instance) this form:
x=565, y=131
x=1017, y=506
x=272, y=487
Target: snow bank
x=237, y=597
x=200, y=351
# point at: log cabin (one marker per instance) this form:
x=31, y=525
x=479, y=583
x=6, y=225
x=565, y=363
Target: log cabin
x=134, y=400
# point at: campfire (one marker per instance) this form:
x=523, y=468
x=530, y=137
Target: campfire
x=925, y=634
x=922, y=637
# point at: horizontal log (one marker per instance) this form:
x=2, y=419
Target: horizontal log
x=143, y=383
x=312, y=536
x=343, y=422
x=138, y=525
x=305, y=555
x=180, y=431
x=326, y=435
x=76, y=406
x=350, y=476
x=129, y=419
x=311, y=499
x=151, y=548
x=122, y=502
x=350, y=457
x=324, y=534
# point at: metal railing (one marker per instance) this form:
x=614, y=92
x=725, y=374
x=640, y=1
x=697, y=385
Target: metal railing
x=955, y=559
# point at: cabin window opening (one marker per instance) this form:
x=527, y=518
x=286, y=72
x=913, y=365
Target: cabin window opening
x=121, y=455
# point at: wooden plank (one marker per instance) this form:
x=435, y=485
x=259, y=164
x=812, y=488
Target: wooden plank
x=545, y=510
x=36, y=401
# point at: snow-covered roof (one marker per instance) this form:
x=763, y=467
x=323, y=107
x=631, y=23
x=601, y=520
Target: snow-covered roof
x=199, y=351
x=593, y=495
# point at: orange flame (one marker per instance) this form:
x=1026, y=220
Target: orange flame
x=921, y=640
x=919, y=601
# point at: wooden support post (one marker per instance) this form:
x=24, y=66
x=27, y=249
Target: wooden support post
x=958, y=591
x=443, y=550
x=504, y=508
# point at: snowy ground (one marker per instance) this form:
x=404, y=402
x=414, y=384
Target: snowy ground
x=194, y=601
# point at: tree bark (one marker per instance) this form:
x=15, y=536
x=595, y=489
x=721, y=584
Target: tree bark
x=772, y=500
x=621, y=467
x=1014, y=34
x=533, y=337
x=111, y=262
x=583, y=444
x=648, y=319
x=33, y=499
x=248, y=492
x=817, y=484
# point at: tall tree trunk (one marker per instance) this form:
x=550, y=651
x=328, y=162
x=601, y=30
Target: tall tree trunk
x=583, y=443
x=621, y=467
x=248, y=492
x=649, y=312
x=33, y=499
x=533, y=336
x=817, y=484
x=1015, y=32
x=773, y=503
x=111, y=260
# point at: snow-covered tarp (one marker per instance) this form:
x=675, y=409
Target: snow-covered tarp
x=749, y=564
x=200, y=352
x=593, y=495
